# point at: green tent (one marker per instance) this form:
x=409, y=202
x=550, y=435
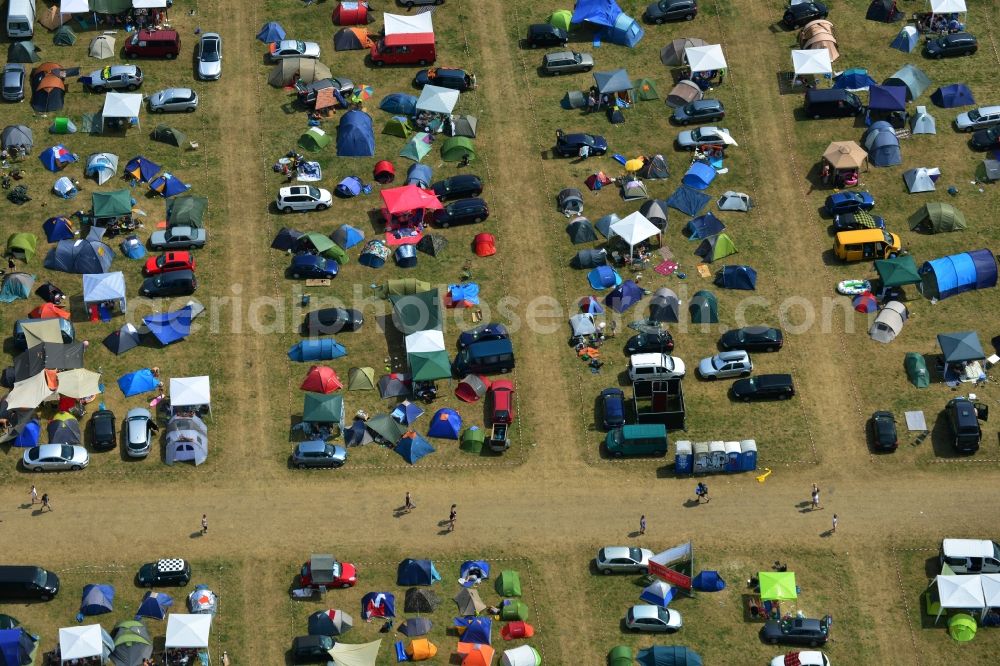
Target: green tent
x=621, y=655
x=704, y=308
x=962, y=627
x=315, y=139
x=111, y=204
x=935, y=218
x=898, y=271
x=508, y=583
x=417, y=312
x=64, y=36
x=386, y=427
x=110, y=6
x=428, y=366
x=320, y=243
x=361, y=379
x=473, y=439
x=457, y=148
x=416, y=148
x=323, y=408
x=62, y=125
x=23, y=52
x=336, y=253
x=647, y=90
x=515, y=611
x=397, y=127
x=187, y=210
x=716, y=247
x=22, y=245
x=777, y=586
x=560, y=19
x=916, y=369
x=403, y=287
x=169, y=135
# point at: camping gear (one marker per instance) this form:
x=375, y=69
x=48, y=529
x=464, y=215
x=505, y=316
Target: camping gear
x=664, y=306
x=330, y=622
x=704, y=308
x=865, y=303
x=853, y=287
x=169, y=135
x=352, y=39
x=418, y=600
x=916, y=369
x=570, y=202
x=97, y=599
x=624, y=296
x=472, y=388
x=412, y=447
x=383, y=172
x=921, y=179
x=688, y=200
x=668, y=655
x=950, y=96
x=484, y=245
x=580, y=231
x=882, y=145
x=673, y=54
x=952, y=275
x=936, y=218
x=704, y=226
x=324, y=349
x=685, y=92
x=473, y=440
x=79, y=256
x=446, y=424
x=154, y=605
x=524, y=655
x=16, y=286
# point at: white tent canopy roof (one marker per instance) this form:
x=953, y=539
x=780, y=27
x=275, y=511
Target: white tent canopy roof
x=398, y=24
x=74, y=6
x=424, y=341
x=812, y=61
x=81, y=642
x=948, y=6
x=186, y=630
x=355, y=654
x=991, y=589
x=190, y=391
x=29, y=393
x=436, y=99
x=634, y=229
x=149, y=4
x=122, y=105
x=964, y=592
x=98, y=287
x=705, y=58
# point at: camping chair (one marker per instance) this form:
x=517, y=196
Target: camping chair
x=104, y=312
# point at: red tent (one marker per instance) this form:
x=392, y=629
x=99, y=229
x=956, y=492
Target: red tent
x=351, y=13
x=48, y=310
x=384, y=172
x=321, y=379
x=408, y=198
x=517, y=629
x=865, y=302
x=472, y=388
x=484, y=245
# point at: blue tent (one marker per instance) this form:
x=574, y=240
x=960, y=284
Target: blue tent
x=29, y=434
x=141, y=169
x=399, y=103
x=699, y=176
x=406, y=256
x=704, y=226
x=906, y=40
x=477, y=629
x=271, y=32
x=374, y=254
x=407, y=412
x=479, y=568
x=97, y=599
x=953, y=95
x=168, y=185
x=170, y=327
x=668, y=655
x=349, y=187
x=16, y=647
x=16, y=286
x=854, y=79
x=887, y=98
x=708, y=581
x=154, y=605
x=590, y=305
x=882, y=145
x=736, y=277
x=56, y=157
x=463, y=295
x=140, y=381
x=658, y=593
x=416, y=572
x=446, y=424
x=355, y=137
x=419, y=175
x=688, y=201
x=347, y=236
x=321, y=349
x=378, y=604
x=413, y=447
x=132, y=247
x=603, y=277
x=625, y=32
x=598, y=12
x=958, y=273
x=80, y=256
x=57, y=229
x=624, y=296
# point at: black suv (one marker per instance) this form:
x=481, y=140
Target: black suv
x=443, y=77
x=963, y=421
x=955, y=44
x=175, y=283
x=164, y=572
x=543, y=34
x=463, y=211
x=102, y=423
x=671, y=10
x=312, y=649
x=884, y=436
x=797, y=631
x=456, y=187
x=764, y=387
x=798, y=15
x=650, y=343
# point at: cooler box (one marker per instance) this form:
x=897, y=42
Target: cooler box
x=748, y=455
x=701, y=458
x=716, y=456
x=682, y=458
x=733, y=453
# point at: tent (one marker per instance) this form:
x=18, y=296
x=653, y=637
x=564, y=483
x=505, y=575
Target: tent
x=412, y=447
x=472, y=440
x=960, y=347
x=468, y=602
x=570, y=201
x=525, y=655
x=138, y=168
x=882, y=144
x=673, y=54
x=102, y=166
x=408, y=198
x=17, y=647
x=102, y=47
x=104, y=287
x=920, y=179
x=950, y=96
x=668, y=655
x=716, y=247
x=190, y=631
x=79, y=256
x=916, y=369
x=361, y=379
x=168, y=135
x=383, y=172
x=168, y=327
x=561, y=19
x=351, y=39
x=65, y=188
x=351, y=12
x=457, y=149
x=399, y=104
x=121, y=105
x=574, y=99
x=484, y=245
x=777, y=586
x=22, y=246
x=420, y=176
x=84, y=642
x=446, y=424
x=418, y=600
x=709, y=581
x=889, y=322
x=906, y=40
x=937, y=217
x=912, y=78
x=386, y=427
x=633, y=189
x=634, y=229
x=48, y=94
x=120, y=341
x=319, y=408
x=885, y=11
x=603, y=277
x=330, y=622
x=463, y=125
x=865, y=303
x=624, y=296
x=688, y=200
x=472, y=388
x=420, y=649
x=613, y=82
x=17, y=136
x=580, y=231
x=664, y=306
x=988, y=171
x=397, y=126
x=417, y=147
x=475, y=630
x=23, y=52
x=57, y=229
x=736, y=277
x=187, y=210
x=314, y=139
x=15, y=286
x=135, y=383
x=704, y=226
x=699, y=176
x=655, y=210
x=347, y=236
x=618, y=27
x=435, y=99
x=657, y=593
x=962, y=627
x=706, y=58
x=355, y=654
x=621, y=655
x=132, y=642
x=922, y=122
x=154, y=605
x=704, y=308
x=29, y=433
x=271, y=32
x=56, y=157
x=655, y=168
x=394, y=385
x=97, y=599
x=585, y=259
x=647, y=90
x=582, y=324
x=357, y=434
x=855, y=79
x=308, y=70
x=898, y=271
x=350, y=186
x=736, y=201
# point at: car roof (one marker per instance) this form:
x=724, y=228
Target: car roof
x=559, y=54
x=645, y=610
x=705, y=103
x=651, y=357
x=773, y=380
x=210, y=35
x=987, y=110
x=313, y=446
x=177, y=92
x=46, y=450
x=612, y=552
x=617, y=392
x=138, y=411
x=735, y=355
x=756, y=330
x=122, y=69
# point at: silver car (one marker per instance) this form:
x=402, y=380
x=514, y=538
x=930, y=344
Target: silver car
x=704, y=136
x=726, y=364
x=981, y=118
x=13, y=82
x=644, y=617
x=622, y=559
x=55, y=457
x=177, y=238
x=208, y=55
x=173, y=99
x=293, y=48
x=115, y=77
x=566, y=62
x=138, y=432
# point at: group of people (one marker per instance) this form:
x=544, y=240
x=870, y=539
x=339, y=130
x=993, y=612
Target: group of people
x=184, y=657
x=939, y=23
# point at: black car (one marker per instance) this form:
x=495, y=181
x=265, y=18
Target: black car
x=764, y=387
x=568, y=145
x=104, y=429
x=463, y=211
x=986, y=139
x=700, y=111
x=311, y=649
x=543, y=34
x=482, y=333
x=443, y=77
x=650, y=343
x=797, y=631
x=307, y=91
x=955, y=44
x=457, y=187
x=671, y=10
x=330, y=321
x=175, y=283
x=752, y=339
x=164, y=572
x=884, y=431
x=612, y=408
x=857, y=220
x=798, y=15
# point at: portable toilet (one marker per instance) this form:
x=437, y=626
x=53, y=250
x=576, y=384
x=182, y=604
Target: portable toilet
x=748, y=455
x=682, y=457
x=716, y=456
x=733, y=453
x=701, y=457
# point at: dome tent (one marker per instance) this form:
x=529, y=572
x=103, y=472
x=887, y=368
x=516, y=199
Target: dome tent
x=922, y=122
x=937, y=217
x=704, y=308
x=355, y=137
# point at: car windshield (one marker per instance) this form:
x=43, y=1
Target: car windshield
x=887, y=237
x=210, y=52
x=635, y=554
x=717, y=362
x=300, y=47
x=314, y=192
x=975, y=115
x=34, y=453
x=161, y=261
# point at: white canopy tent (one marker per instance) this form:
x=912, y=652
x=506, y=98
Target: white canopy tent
x=436, y=99
x=355, y=654
x=948, y=6
x=29, y=393
x=79, y=383
x=69, y=7
x=101, y=287
x=121, y=105
x=634, y=229
x=960, y=593
x=399, y=24
x=188, y=630
x=705, y=58
x=84, y=642
x=424, y=341
x=149, y=4
x=811, y=61
x=191, y=392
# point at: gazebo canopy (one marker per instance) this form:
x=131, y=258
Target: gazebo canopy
x=84, y=642
x=615, y=81
x=424, y=341
x=812, y=61
x=777, y=586
x=436, y=99
x=705, y=58
x=100, y=287
x=845, y=155
x=898, y=271
x=121, y=105
x=190, y=391
x=948, y=6
x=188, y=630
x=960, y=347
x=634, y=229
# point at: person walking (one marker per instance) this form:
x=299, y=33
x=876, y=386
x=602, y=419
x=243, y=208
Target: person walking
x=591, y=103
x=701, y=490
x=451, y=517
x=642, y=525
x=815, y=498
x=833, y=529
x=408, y=504
x=34, y=495
x=45, y=502
x=204, y=524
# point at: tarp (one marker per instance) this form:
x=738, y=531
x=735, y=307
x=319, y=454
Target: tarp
x=910, y=76
x=79, y=383
x=435, y=99
x=355, y=654
x=48, y=355
x=188, y=630
x=168, y=327
x=704, y=226
x=953, y=95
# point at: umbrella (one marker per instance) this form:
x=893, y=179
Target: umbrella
x=845, y=155
x=634, y=164
x=79, y=383
x=362, y=93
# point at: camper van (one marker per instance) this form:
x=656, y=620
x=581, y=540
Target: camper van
x=970, y=556
x=20, y=19
x=865, y=245
x=832, y=103
x=489, y=357
x=153, y=44
x=404, y=49
x=637, y=440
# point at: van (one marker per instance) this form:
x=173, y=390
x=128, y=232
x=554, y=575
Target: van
x=963, y=420
x=865, y=245
x=27, y=582
x=970, y=556
x=20, y=19
x=154, y=44
x=648, y=367
x=832, y=103
x=65, y=328
x=404, y=49
x=488, y=357
x=637, y=440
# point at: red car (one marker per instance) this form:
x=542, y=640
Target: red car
x=325, y=571
x=502, y=401
x=169, y=262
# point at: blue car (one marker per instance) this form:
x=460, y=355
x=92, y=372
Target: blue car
x=482, y=333
x=612, y=408
x=313, y=266
x=849, y=202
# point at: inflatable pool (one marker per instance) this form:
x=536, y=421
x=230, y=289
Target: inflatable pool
x=853, y=287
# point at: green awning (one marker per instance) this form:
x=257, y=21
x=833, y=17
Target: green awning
x=417, y=312
x=428, y=366
x=111, y=204
x=777, y=586
x=320, y=408
x=898, y=271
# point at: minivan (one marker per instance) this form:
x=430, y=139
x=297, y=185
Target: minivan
x=20, y=19
x=404, y=49
x=963, y=421
x=865, y=245
x=488, y=357
x=970, y=556
x=65, y=328
x=154, y=44
x=654, y=366
x=637, y=440
x=832, y=103
x=27, y=582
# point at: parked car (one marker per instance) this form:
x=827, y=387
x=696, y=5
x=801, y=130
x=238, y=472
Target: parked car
x=303, y=197
x=169, y=571
x=501, y=402
x=622, y=559
x=168, y=262
x=311, y=266
x=104, y=429
x=726, y=364
x=173, y=99
x=55, y=458
x=854, y=221
x=312, y=649
x=655, y=367
x=981, y=118
x=545, y=35
x=568, y=145
x=326, y=571
x=947, y=46
x=612, y=408
x=699, y=111
x=293, y=48
x=177, y=237
x=804, y=658
x=208, y=56
x=12, y=82
x=444, y=77
x=138, y=432
x=566, y=62
x=317, y=453
x=115, y=77
x=482, y=333
x=798, y=15
x=963, y=423
x=462, y=211
x=307, y=91
x=177, y=283
x=671, y=10
x=703, y=136
x=753, y=338
x=764, y=387
x=330, y=321
x=647, y=343
x=654, y=619
x=884, y=435
x=458, y=187
x=797, y=631
x=985, y=139
x=410, y=4
x=849, y=201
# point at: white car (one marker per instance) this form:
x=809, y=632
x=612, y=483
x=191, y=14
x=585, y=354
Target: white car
x=726, y=364
x=805, y=658
x=208, y=55
x=645, y=617
x=173, y=99
x=293, y=48
x=622, y=559
x=981, y=118
x=655, y=367
x=704, y=136
x=303, y=197
x=55, y=457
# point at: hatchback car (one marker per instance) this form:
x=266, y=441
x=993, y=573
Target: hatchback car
x=311, y=266
x=671, y=10
x=884, y=435
x=138, y=432
x=168, y=571
x=169, y=262
x=568, y=145
x=622, y=559
x=654, y=619
x=848, y=202
x=703, y=136
x=327, y=571
x=753, y=338
x=303, y=198
x=173, y=99
x=612, y=408
x=329, y=321
x=798, y=15
x=804, y=658
x=307, y=92
x=566, y=62
x=312, y=649
x=985, y=139
x=544, y=35
x=458, y=187
x=176, y=283
x=12, y=82
x=797, y=631
x=764, y=387
x=981, y=118
x=463, y=211
x=55, y=458
x=858, y=220
x=208, y=56
x=726, y=364
x=444, y=77
x=699, y=111
x=955, y=44
x=318, y=453
x=482, y=333
x=650, y=343
x=104, y=429
x=293, y=48
x=178, y=237
x=115, y=77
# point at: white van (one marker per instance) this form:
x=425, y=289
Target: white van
x=645, y=367
x=970, y=556
x=20, y=19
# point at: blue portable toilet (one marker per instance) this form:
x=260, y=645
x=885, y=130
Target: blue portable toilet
x=406, y=256
x=733, y=452
x=748, y=455
x=683, y=458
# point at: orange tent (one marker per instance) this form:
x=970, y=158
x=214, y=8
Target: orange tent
x=50, y=82
x=421, y=649
x=476, y=654
x=46, y=310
